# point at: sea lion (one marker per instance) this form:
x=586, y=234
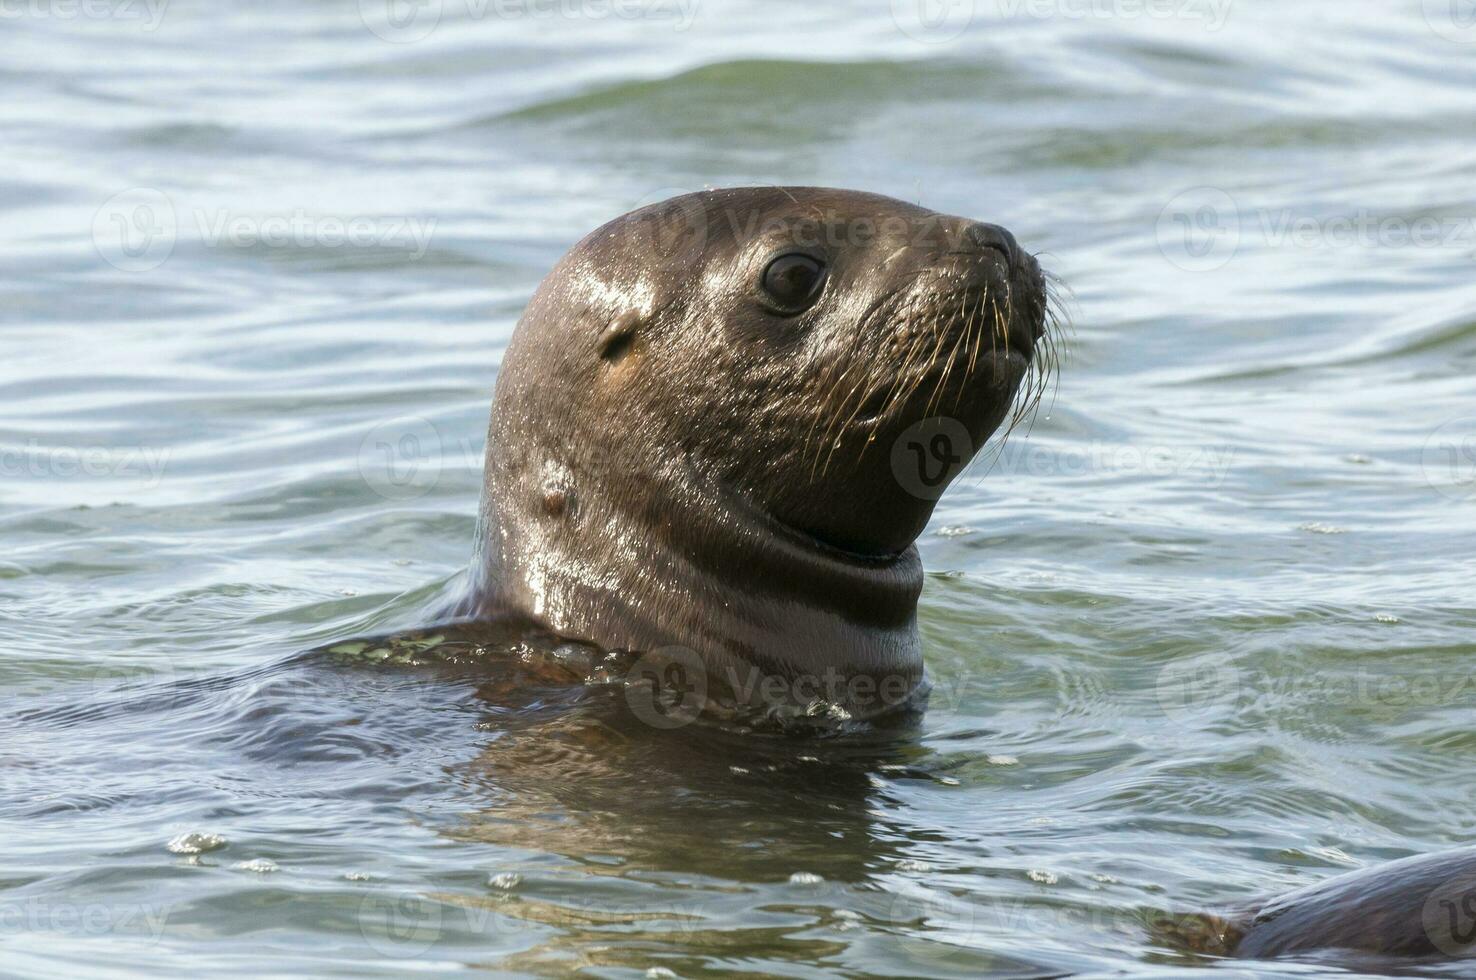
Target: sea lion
x=693, y=436
x=701, y=449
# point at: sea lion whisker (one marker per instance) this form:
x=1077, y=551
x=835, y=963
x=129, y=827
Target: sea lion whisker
x=976, y=334
x=833, y=424
x=861, y=389
x=937, y=349
x=958, y=344
x=838, y=421
x=940, y=334
x=973, y=349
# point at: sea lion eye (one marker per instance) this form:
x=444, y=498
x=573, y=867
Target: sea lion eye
x=792, y=281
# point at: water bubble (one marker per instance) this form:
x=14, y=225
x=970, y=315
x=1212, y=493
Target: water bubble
x=261, y=866
x=1317, y=527
x=196, y=843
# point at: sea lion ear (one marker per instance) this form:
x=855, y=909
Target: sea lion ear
x=615, y=339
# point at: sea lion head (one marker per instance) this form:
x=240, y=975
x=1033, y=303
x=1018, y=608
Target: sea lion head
x=769, y=376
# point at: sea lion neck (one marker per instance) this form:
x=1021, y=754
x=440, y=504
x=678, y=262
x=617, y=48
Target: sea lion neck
x=756, y=552
x=660, y=557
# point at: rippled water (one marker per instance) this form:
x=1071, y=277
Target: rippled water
x=1201, y=635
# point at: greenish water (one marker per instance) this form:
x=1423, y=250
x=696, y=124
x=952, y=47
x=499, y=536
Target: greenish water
x=1202, y=634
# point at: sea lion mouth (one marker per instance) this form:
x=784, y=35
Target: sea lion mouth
x=834, y=551
x=956, y=352
x=988, y=340
x=945, y=391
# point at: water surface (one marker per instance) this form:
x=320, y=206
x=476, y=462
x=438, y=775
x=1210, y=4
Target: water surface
x=1202, y=633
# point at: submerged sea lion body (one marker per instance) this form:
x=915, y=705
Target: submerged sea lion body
x=1422, y=906
x=692, y=437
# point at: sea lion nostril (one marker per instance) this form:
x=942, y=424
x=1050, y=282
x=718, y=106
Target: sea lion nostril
x=982, y=235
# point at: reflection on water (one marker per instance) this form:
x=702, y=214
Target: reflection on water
x=1201, y=634
x=587, y=835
